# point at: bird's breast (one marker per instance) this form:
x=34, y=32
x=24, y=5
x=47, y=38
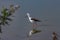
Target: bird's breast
x=31, y=21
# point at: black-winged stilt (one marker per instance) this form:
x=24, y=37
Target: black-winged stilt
x=33, y=20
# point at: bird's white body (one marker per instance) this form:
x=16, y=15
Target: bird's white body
x=31, y=20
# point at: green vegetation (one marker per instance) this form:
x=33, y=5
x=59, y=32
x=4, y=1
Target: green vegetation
x=5, y=15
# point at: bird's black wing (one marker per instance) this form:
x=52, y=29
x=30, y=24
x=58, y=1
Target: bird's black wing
x=35, y=19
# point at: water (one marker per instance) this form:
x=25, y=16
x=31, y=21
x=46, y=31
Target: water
x=46, y=10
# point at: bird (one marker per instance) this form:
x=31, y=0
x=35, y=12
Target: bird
x=33, y=20
x=54, y=36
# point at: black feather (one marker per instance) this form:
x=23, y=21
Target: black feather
x=35, y=19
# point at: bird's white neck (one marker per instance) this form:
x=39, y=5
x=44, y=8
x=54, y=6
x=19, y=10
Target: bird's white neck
x=29, y=16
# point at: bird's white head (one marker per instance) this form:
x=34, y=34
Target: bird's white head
x=28, y=14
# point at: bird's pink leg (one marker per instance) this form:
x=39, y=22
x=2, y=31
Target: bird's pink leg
x=34, y=25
